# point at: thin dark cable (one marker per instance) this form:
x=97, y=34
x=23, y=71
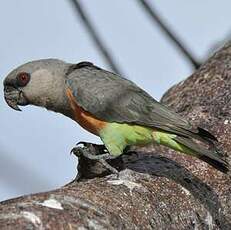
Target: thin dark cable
x=95, y=36
x=172, y=36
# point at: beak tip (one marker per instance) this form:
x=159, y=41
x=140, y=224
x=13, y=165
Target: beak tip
x=14, y=98
x=12, y=104
x=15, y=107
x=18, y=109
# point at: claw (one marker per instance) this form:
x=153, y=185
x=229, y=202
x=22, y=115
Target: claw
x=84, y=143
x=77, y=151
x=99, y=147
x=86, y=152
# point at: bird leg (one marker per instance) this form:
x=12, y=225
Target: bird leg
x=87, y=150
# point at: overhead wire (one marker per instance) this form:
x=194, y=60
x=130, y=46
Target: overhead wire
x=81, y=13
x=150, y=10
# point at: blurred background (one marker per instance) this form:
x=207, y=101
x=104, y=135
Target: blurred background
x=124, y=36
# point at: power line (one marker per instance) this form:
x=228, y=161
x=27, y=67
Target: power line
x=95, y=36
x=170, y=34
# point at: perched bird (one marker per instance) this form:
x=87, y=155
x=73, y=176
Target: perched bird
x=109, y=106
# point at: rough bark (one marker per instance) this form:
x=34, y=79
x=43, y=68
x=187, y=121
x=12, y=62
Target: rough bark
x=157, y=188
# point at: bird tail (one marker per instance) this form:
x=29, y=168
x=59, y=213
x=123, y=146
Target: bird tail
x=188, y=146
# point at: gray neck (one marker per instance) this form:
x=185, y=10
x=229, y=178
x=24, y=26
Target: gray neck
x=51, y=92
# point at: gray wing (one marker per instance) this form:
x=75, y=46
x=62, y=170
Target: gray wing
x=112, y=98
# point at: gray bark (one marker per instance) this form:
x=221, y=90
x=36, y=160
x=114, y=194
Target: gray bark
x=157, y=188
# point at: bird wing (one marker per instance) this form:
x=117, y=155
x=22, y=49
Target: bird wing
x=112, y=98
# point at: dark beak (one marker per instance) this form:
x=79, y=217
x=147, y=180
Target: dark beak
x=14, y=97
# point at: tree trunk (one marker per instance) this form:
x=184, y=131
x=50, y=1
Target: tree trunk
x=157, y=187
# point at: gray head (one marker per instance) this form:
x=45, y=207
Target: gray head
x=37, y=83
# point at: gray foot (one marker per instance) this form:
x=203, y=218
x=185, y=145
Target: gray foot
x=87, y=151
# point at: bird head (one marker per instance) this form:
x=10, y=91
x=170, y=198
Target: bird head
x=34, y=83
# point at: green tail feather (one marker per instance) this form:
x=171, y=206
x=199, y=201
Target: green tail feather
x=188, y=146
x=212, y=157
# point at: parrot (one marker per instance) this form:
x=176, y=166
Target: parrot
x=109, y=106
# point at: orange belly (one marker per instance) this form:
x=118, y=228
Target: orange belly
x=84, y=118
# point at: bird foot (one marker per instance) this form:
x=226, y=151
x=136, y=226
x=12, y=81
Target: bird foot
x=89, y=148
x=95, y=147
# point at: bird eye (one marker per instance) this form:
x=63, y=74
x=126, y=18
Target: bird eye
x=22, y=79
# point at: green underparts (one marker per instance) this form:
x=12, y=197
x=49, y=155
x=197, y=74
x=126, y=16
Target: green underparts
x=168, y=140
x=117, y=137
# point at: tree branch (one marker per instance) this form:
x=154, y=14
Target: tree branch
x=157, y=188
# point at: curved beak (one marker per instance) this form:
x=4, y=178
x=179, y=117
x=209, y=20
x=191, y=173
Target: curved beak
x=12, y=97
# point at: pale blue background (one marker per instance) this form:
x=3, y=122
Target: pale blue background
x=35, y=144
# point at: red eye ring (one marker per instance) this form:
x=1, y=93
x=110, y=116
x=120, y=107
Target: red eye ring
x=22, y=79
